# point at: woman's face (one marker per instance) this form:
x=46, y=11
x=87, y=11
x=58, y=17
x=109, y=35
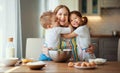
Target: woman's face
x=62, y=16
x=75, y=20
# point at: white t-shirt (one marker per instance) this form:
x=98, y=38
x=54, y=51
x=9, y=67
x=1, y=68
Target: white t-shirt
x=83, y=39
x=52, y=36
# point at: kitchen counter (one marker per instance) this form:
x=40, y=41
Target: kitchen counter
x=104, y=36
x=53, y=67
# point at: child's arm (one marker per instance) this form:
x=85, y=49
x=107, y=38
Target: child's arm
x=70, y=35
x=71, y=28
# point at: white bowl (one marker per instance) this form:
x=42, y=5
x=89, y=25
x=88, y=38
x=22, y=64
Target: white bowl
x=36, y=65
x=98, y=60
x=9, y=61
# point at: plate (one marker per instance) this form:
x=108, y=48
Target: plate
x=98, y=61
x=91, y=67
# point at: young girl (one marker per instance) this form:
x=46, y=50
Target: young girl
x=81, y=32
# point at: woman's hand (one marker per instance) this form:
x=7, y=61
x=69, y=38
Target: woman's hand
x=91, y=49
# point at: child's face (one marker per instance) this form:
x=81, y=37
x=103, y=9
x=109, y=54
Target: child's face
x=62, y=16
x=75, y=20
x=54, y=21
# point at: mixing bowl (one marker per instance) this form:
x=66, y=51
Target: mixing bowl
x=60, y=56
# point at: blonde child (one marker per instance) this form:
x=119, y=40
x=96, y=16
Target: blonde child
x=82, y=34
x=51, y=24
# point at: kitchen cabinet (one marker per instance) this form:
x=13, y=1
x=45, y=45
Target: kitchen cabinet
x=106, y=47
x=89, y=7
x=110, y=3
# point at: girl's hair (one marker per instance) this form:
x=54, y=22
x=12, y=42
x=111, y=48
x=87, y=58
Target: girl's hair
x=45, y=18
x=62, y=6
x=84, y=19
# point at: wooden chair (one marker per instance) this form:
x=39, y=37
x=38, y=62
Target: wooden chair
x=33, y=48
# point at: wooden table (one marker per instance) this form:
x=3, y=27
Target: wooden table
x=53, y=67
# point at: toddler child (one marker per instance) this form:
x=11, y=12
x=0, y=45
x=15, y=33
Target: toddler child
x=50, y=22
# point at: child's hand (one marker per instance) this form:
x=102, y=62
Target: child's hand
x=45, y=50
x=91, y=49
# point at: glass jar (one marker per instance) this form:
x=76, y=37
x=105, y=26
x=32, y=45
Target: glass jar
x=10, y=50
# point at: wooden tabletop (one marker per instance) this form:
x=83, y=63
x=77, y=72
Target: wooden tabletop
x=53, y=67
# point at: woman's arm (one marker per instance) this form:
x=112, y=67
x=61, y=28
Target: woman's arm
x=70, y=35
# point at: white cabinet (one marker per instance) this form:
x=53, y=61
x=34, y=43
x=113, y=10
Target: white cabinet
x=71, y=4
x=110, y=3
x=89, y=7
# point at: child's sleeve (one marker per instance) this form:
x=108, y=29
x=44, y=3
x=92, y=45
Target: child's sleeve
x=81, y=31
x=64, y=30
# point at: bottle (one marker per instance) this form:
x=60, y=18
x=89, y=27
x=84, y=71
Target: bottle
x=10, y=50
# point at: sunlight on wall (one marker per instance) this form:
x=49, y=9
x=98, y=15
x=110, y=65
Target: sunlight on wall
x=94, y=18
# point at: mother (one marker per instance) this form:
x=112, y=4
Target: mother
x=62, y=12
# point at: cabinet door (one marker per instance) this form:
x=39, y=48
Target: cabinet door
x=90, y=7
x=108, y=48
x=110, y=3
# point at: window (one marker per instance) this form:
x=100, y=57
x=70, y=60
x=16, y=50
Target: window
x=9, y=22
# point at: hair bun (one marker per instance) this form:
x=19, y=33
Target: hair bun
x=84, y=20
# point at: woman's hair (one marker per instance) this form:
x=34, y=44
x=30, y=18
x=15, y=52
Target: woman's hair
x=62, y=6
x=45, y=18
x=84, y=19
x=59, y=7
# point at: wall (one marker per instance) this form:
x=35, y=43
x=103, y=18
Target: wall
x=71, y=4
x=110, y=21
x=30, y=20
x=30, y=13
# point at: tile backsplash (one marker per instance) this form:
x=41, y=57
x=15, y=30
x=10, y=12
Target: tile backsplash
x=110, y=21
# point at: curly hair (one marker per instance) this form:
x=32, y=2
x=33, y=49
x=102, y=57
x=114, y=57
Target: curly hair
x=45, y=18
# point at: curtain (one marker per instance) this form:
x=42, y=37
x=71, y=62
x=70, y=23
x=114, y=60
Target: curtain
x=10, y=26
x=47, y=5
x=19, y=50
